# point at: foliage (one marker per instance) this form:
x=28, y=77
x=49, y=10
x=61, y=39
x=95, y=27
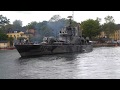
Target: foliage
x=10, y=39
x=109, y=19
x=31, y=25
x=3, y=20
x=91, y=28
x=55, y=18
x=8, y=27
x=3, y=36
x=109, y=27
x=17, y=23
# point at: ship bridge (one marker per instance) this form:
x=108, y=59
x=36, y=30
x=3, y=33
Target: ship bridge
x=68, y=33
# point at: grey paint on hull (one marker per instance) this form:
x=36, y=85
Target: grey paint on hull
x=38, y=50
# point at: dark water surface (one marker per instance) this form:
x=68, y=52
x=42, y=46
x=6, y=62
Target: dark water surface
x=101, y=63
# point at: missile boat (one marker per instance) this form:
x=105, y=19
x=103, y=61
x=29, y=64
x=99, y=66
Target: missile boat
x=70, y=40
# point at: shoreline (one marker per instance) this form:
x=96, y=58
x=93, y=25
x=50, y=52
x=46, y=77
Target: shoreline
x=8, y=48
x=94, y=45
x=106, y=45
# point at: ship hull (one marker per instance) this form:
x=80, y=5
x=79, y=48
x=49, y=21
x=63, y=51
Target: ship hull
x=39, y=50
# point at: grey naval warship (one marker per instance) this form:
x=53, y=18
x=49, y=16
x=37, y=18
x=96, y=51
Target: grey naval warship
x=70, y=40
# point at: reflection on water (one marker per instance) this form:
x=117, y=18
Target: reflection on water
x=103, y=62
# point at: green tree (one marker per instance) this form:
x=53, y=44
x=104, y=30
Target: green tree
x=109, y=27
x=98, y=19
x=17, y=23
x=3, y=20
x=31, y=25
x=3, y=36
x=17, y=26
x=10, y=39
x=91, y=28
x=8, y=27
x=55, y=18
x=109, y=19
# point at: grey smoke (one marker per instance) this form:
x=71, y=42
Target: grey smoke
x=48, y=28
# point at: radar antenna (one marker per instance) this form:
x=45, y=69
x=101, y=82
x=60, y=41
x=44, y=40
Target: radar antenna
x=70, y=19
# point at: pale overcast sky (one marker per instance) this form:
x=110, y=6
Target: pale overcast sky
x=29, y=16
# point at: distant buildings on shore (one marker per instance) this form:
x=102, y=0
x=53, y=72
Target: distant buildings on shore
x=27, y=34
x=21, y=34
x=4, y=44
x=115, y=36
x=17, y=35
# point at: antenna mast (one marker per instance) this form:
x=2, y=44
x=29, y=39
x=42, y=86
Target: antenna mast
x=73, y=15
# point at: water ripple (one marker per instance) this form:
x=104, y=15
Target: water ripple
x=101, y=63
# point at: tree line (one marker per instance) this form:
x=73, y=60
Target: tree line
x=90, y=27
x=93, y=28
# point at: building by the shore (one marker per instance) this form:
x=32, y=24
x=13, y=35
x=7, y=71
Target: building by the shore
x=21, y=34
x=4, y=44
x=16, y=35
x=31, y=32
x=115, y=36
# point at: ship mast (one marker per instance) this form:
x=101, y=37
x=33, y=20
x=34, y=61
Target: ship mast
x=70, y=20
x=73, y=15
